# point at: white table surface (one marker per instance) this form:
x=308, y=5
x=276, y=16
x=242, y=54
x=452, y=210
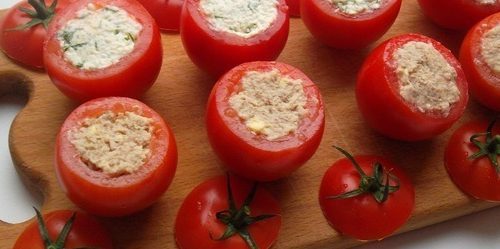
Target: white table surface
x=477, y=231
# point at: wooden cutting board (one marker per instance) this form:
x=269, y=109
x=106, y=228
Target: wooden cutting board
x=180, y=95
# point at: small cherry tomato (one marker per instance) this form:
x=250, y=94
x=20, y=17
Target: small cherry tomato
x=343, y=24
x=471, y=159
x=100, y=48
x=167, y=13
x=479, y=58
x=411, y=88
x=64, y=229
x=458, y=14
x=115, y=156
x=293, y=7
x=228, y=213
x=366, y=197
x=265, y=120
x=23, y=29
x=219, y=37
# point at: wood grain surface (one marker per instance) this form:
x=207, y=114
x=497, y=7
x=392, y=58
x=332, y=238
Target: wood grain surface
x=180, y=95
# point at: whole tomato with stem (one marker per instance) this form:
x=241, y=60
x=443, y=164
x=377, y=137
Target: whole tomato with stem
x=228, y=213
x=471, y=159
x=458, y=14
x=64, y=229
x=483, y=77
x=23, y=30
x=366, y=197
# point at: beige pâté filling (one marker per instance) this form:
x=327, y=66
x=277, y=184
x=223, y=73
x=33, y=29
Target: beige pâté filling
x=114, y=143
x=269, y=103
x=490, y=48
x=427, y=80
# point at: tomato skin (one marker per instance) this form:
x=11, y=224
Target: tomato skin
x=85, y=231
x=196, y=217
x=133, y=75
x=293, y=7
x=24, y=46
x=478, y=177
x=217, y=52
x=484, y=84
x=362, y=217
x=167, y=13
x=341, y=31
x=457, y=14
x=378, y=98
x=105, y=195
x=250, y=155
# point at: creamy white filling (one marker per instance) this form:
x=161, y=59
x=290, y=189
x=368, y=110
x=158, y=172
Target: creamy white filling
x=354, y=7
x=98, y=37
x=114, y=143
x=427, y=80
x=270, y=103
x=486, y=2
x=244, y=18
x=490, y=49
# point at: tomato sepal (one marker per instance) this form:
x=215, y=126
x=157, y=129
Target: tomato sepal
x=490, y=148
x=237, y=220
x=44, y=232
x=41, y=15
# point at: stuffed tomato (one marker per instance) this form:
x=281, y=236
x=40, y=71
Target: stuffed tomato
x=115, y=156
x=458, y=14
x=99, y=48
x=221, y=34
x=411, y=88
x=349, y=24
x=480, y=58
x=265, y=120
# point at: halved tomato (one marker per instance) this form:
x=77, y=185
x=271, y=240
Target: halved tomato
x=458, y=14
x=240, y=139
x=483, y=79
x=167, y=13
x=217, y=50
x=86, y=170
x=131, y=75
x=430, y=106
x=344, y=29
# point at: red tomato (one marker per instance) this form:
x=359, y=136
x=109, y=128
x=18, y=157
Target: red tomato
x=110, y=195
x=167, y=13
x=377, y=94
x=85, y=232
x=131, y=76
x=336, y=29
x=362, y=216
x=216, y=51
x=26, y=45
x=293, y=7
x=205, y=215
x=457, y=14
x=478, y=175
x=484, y=83
x=252, y=155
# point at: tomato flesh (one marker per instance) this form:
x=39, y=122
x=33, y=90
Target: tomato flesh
x=253, y=156
x=216, y=52
x=338, y=30
x=86, y=232
x=107, y=195
x=362, y=217
x=133, y=75
x=378, y=98
x=484, y=83
x=197, y=216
